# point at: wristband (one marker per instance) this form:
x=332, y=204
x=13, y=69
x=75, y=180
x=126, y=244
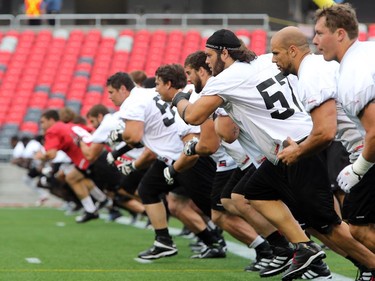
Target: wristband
x=361, y=165
x=180, y=96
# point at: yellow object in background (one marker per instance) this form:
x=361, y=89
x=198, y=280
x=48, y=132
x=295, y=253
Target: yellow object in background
x=324, y=3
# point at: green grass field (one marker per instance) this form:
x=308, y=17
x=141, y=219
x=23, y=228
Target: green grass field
x=101, y=250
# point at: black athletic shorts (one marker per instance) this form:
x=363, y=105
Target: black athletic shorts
x=130, y=182
x=337, y=159
x=237, y=182
x=197, y=182
x=359, y=204
x=221, y=179
x=104, y=176
x=303, y=187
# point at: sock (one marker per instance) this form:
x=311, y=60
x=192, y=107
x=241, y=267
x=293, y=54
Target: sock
x=211, y=225
x=276, y=239
x=257, y=241
x=207, y=237
x=162, y=235
x=98, y=194
x=88, y=204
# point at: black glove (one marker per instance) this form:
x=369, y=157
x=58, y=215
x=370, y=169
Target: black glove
x=180, y=96
x=169, y=174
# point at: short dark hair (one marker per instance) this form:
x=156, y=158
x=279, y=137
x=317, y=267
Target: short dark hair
x=121, y=79
x=340, y=16
x=96, y=110
x=197, y=60
x=149, y=82
x=51, y=114
x=174, y=73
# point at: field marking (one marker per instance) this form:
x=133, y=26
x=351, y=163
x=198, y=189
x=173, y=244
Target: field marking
x=33, y=260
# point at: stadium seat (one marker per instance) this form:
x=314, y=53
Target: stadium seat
x=30, y=127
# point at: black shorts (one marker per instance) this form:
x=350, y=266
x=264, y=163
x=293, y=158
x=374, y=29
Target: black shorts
x=130, y=182
x=359, y=204
x=197, y=182
x=221, y=179
x=104, y=175
x=237, y=182
x=337, y=159
x=303, y=187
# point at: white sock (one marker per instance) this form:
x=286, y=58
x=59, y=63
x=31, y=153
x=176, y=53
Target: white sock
x=98, y=194
x=257, y=241
x=88, y=204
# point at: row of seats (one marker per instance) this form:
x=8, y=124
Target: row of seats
x=51, y=69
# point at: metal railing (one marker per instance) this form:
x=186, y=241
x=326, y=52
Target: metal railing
x=183, y=21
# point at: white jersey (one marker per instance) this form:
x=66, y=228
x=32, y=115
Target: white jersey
x=259, y=100
x=18, y=150
x=160, y=129
x=356, y=82
x=108, y=124
x=224, y=162
x=236, y=151
x=318, y=83
x=31, y=148
x=61, y=157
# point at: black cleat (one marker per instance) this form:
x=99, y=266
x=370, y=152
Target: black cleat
x=87, y=217
x=158, y=250
x=317, y=270
x=211, y=252
x=304, y=255
x=264, y=256
x=282, y=259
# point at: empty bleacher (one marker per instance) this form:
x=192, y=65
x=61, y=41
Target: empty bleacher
x=56, y=68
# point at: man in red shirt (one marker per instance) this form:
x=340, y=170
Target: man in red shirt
x=64, y=136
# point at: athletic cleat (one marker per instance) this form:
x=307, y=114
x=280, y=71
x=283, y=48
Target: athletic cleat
x=198, y=246
x=304, y=255
x=104, y=204
x=210, y=253
x=87, y=217
x=318, y=270
x=158, y=250
x=364, y=275
x=264, y=256
x=186, y=233
x=281, y=261
x=114, y=214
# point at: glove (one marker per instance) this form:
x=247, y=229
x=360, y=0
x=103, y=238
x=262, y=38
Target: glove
x=169, y=174
x=348, y=178
x=110, y=159
x=180, y=96
x=126, y=168
x=189, y=147
x=114, y=137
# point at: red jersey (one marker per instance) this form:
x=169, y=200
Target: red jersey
x=61, y=136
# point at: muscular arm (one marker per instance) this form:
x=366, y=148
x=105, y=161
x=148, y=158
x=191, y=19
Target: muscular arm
x=323, y=132
x=209, y=141
x=48, y=155
x=367, y=118
x=226, y=129
x=145, y=159
x=91, y=152
x=198, y=112
x=133, y=132
x=184, y=162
